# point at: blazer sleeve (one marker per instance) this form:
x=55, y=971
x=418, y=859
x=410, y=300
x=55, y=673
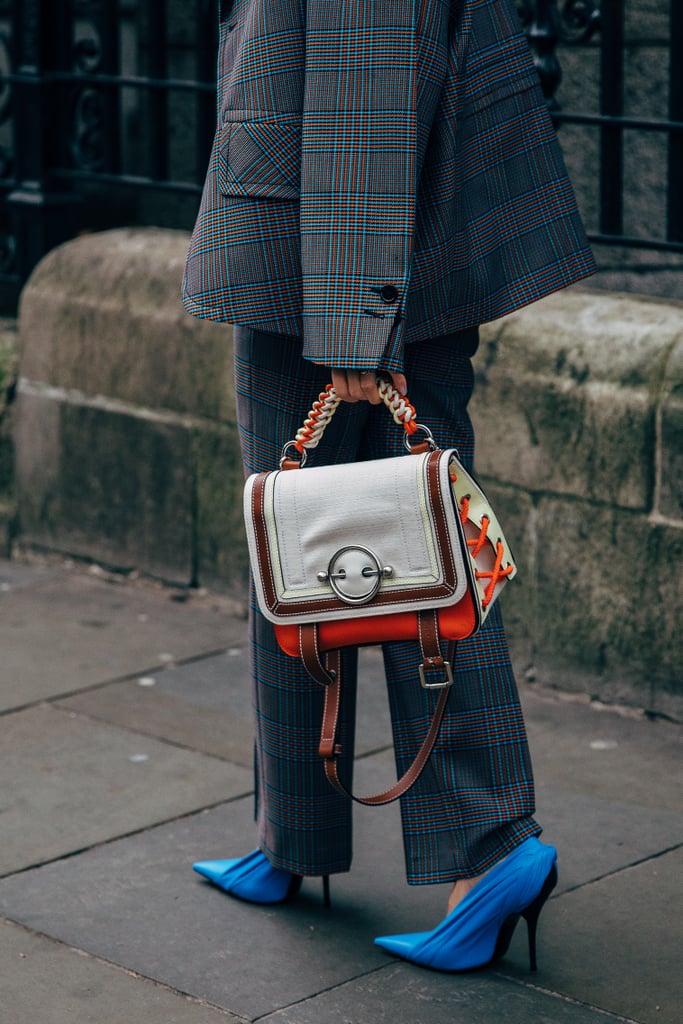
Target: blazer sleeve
x=359, y=174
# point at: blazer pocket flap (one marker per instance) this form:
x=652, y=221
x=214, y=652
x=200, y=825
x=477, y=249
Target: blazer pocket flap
x=261, y=158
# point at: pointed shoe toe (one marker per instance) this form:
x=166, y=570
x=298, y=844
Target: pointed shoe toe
x=401, y=945
x=213, y=870
x=251, y=878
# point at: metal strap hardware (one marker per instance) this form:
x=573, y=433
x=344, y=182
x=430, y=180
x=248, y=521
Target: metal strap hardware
x=444, y=667
x=428, y=440
x=355, y=573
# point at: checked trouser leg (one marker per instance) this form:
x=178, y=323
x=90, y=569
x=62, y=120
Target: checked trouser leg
x=475, y=800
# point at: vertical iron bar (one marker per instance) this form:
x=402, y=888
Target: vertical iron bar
x=543, y=35
x=612, y=105
x=42, y=217
x=156, y=31
x=207, y=20
x=59, y=31
x=675, y=175
x=107, y=22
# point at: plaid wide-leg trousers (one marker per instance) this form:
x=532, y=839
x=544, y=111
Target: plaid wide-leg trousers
x=475, y=799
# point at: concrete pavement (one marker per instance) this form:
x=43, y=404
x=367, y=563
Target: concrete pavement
x=125, y=754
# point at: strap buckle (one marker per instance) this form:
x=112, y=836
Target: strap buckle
x=442, y=684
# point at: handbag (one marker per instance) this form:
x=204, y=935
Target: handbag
x=402, y=548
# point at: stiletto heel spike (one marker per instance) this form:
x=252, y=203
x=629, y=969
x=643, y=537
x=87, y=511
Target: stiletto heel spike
x=532, y=913
x=480, y=927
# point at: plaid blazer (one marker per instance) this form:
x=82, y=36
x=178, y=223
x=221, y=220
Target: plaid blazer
x=383, y=171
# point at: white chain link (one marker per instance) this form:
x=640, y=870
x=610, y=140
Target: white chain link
x=321, y=420
x=395, y=402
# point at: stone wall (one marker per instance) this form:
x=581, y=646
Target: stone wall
x=8, y=379
x=125, y=433
x=579, y=417
x=127, y=454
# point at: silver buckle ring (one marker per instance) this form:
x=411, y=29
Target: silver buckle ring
x=443, y=683
x=286, y=454
x=429, y=438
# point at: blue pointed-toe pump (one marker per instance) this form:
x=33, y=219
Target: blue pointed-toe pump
x=479, y=929
x=253, y=878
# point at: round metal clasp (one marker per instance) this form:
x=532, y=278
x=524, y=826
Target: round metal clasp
x=355, y=573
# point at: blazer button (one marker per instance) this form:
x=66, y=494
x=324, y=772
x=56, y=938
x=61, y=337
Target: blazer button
x=388, y=293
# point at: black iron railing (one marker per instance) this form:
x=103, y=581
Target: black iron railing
x=107, y=115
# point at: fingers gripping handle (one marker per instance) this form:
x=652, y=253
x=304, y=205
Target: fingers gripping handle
x=310, y=434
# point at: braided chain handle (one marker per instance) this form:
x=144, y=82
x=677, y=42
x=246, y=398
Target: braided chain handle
x=309, y=435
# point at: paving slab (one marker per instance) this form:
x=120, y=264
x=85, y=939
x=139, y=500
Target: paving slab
x=73, y=631
x=206, y=705
x=597, y=837
x=403, y=994
x=17, y=574
x=47, y=982
x=69, y=782
x=584, y=747
x=137, y=903
x=617, y=943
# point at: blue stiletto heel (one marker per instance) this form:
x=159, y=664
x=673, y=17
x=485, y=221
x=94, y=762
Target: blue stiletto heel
x=478, y=931
x=254, y=879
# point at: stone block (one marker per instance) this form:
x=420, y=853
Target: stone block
x=221, y=545
x=519, y=601
x=128, y=436
x=670, y=455
x=610, y=592
x=8, y=378
x=102, y=315
x=567, y=393
x=105, y=485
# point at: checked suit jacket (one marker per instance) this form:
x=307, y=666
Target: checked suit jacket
x=383, y=171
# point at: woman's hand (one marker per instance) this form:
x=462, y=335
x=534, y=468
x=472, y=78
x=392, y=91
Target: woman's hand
x=361, y=385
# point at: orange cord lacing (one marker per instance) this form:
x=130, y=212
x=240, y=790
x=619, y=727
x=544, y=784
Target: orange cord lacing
x=476, y=544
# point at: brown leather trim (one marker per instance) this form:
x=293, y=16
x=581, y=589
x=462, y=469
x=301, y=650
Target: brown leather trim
x=428, y=635
x=329, y=749
x=310, y=654
x=410, y=777
x=265, y=567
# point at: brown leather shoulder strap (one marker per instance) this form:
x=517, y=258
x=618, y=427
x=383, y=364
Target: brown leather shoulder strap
x=329, y=675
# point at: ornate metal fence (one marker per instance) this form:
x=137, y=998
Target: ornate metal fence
x=107, y=114
x=550, y=23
